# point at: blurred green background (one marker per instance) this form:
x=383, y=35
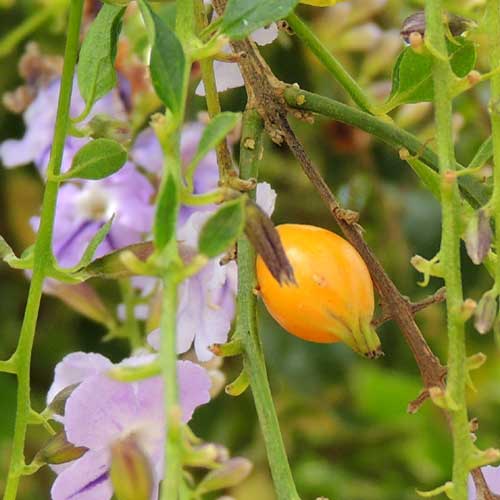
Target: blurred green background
x=343, y=418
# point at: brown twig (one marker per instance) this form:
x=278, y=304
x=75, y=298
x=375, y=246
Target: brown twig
x=436, y=298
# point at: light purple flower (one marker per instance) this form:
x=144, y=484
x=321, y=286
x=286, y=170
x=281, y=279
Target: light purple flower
x=84, y=207
x=101, y=411
x=40, y=119
x=227, y=75
x=492, y=477
x=207, y=300
x=147, y=153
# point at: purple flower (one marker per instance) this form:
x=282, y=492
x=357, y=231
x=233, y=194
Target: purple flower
x=492, y=477
x=147, y=153
x=40, y=119
x=207, y=300
x=84, y=207
x=227, y=75
x=101, y=411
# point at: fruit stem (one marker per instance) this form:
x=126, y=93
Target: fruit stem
x=247, y=329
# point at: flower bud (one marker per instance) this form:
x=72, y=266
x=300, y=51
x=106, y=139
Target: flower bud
x=229, y=474
x=416, y=24
x=263, y=235
x=131, y=473
x=203, y=455
x=58, y=450
x=486, y=312
x=476, y=361
x=103, y=126
x=478, y=236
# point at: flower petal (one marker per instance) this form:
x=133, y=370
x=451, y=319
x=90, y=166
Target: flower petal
x=194, y=387
x=85, y=479
x=266, y=197
x=75, y=368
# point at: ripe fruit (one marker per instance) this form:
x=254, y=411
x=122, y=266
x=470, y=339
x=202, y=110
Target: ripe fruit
x=333, y=300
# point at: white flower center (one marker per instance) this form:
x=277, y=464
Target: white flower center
x=95, y=203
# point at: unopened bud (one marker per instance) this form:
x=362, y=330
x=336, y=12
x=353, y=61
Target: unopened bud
x=263, y=235
x=229, y=474
x=486, y=312
x=58, y=450
x=468, y=308
x=404, y=154
x=201, y=456
x=478, y=236
x=473, y=77
x=416, y=24
x=131, y=473
x=103, y=126
x=476, y=361
x=442, y=399
x=413, y=24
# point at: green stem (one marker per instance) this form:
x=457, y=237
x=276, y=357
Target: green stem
x=331, y=64
x=196, y=200
x=450, y=249
x=168, y=360
x=226, y=168
x=246, y=328
x=131, y=327
x=492, y=22
x=172, y=479
x=385, y=130
x=43, y=257
x=168, y=327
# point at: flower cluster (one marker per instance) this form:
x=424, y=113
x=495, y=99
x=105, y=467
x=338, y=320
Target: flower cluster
x=101, y=412
x=206, y=306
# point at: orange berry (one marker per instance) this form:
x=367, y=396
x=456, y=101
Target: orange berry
x=333, y=300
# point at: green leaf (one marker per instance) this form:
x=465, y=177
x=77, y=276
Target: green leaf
x=222, y=229
x=97, y=239
x=168, y=62
x=243, y=17
x=166, y=213
x=10, y=258
x=213, y=134
x=412, y=74
x=96, y=71
x=98, y=159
